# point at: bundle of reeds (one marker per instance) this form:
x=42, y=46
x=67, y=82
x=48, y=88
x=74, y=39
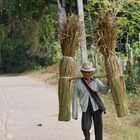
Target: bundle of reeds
x=106, y=36
x=69, y=39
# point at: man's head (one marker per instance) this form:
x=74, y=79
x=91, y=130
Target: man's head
x=87, y=70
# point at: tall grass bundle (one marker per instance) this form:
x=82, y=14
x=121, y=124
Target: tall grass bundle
x=71, y=35
x=106, y=36
x=69, y=39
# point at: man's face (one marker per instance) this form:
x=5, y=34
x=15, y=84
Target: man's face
x=86, y=74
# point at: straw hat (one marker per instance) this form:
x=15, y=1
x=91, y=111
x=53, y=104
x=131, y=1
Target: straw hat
x=87, y=66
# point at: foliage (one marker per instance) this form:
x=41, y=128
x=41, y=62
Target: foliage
x=20, y=8
x=136, y=48
x=35, y=21
x=26, y=42
x=45, y=38
x=14, y=56
x=56, y=52
x=129, y=21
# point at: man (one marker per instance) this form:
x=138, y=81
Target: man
x=91, y=107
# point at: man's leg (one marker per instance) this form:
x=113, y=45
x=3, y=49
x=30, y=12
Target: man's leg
x=86, y=124
x=98, y=125
x=87, y=121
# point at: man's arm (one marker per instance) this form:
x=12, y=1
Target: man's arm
x=74, y=103
x=103, y=88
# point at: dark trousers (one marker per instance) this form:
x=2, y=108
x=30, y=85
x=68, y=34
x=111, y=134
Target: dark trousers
x=86, y=122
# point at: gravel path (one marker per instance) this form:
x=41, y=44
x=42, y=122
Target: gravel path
x=29, y=111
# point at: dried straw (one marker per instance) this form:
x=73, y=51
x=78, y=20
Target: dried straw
x=71, y=35
x=106, y=36
x=106, y=33
x=69, y=39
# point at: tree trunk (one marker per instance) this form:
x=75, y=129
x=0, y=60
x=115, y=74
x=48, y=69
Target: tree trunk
x=130, y=67
x=95, y=57
x=61, y=14
x=0, y=58
x=138, y=58
x=83, y=47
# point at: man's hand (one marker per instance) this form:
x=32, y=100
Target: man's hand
x=75, y=118
x=108, y=82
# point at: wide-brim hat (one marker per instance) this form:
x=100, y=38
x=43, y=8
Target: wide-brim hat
x=87, y=66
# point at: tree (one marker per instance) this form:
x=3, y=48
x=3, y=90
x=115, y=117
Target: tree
x=24, y=25
x=83, y=41
x=61, y=14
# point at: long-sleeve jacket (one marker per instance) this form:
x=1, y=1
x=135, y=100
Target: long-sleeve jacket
x=80, y=92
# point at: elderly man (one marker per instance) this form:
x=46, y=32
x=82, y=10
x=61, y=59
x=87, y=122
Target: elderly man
x=87, y=89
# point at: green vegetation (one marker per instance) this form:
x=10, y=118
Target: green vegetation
x=31, y=26
x=28, y=37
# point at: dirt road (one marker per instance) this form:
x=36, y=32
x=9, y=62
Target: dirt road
x=29, y=111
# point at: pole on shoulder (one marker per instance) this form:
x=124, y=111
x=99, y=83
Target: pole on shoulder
x=96, y=76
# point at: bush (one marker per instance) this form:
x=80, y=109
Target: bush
x=15, y=56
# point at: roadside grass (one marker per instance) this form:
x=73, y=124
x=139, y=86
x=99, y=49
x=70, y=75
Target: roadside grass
x=125, y=128
x=48, y=75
